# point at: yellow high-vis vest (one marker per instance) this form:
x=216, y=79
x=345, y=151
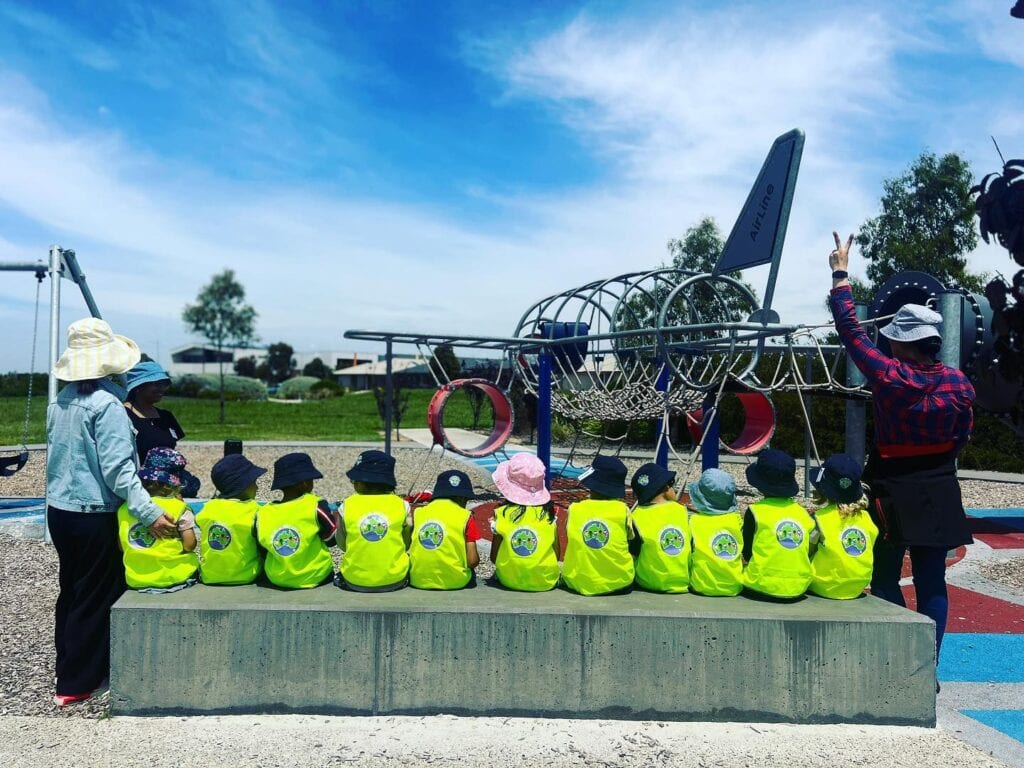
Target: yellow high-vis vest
x=148, y=560
x=230, y=552
x=842, y=566
x=597, y=559
x=663, y=564
x=526, y=561
x=297, y=557
x=437, y=554
x=716, y=561
x=375, y=553
x=780, y=564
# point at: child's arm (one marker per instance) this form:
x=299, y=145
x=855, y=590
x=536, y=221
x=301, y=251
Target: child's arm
x=635, y=542
x=472, y=534
x=813, y=538
x=340, y=536
x=749, y=529
x=325, y=521
x=187, y=531
x=496, y=542
x=407, y=526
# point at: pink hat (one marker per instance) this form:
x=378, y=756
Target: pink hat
x=521, y=480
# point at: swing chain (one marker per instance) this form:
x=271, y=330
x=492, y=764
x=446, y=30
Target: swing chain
x=32, y=367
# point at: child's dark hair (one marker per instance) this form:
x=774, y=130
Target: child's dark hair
x=87, y=386
x=516, y=511
x=373, y=489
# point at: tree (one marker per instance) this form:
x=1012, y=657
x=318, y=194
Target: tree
x=444, y=364
x=222, y=317
x=399, y=404
x=280, y=362
x=246, y=366
x=926, y=224
x=317, y=369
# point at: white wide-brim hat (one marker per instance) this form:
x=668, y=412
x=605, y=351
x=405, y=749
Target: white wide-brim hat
x=95, y=351
x=913, y=322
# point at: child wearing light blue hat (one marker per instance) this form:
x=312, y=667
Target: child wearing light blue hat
x=716, y=527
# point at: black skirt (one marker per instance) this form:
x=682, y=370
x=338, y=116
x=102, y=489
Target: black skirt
x=916, y=501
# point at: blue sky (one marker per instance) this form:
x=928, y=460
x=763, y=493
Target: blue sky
x=431, y=166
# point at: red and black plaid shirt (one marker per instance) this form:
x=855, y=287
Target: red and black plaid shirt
x=914, y=404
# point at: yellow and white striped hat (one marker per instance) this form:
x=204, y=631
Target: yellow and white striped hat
x=95, y=351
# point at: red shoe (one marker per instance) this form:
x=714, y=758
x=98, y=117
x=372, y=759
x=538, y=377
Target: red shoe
x=63, y=699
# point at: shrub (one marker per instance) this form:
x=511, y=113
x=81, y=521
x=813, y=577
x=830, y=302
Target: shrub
x=207, y=387
x=325, y=390
x=296, y=388
x=16, y=384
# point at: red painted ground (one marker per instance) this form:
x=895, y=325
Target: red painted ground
x=998, y=533
x=973, y=612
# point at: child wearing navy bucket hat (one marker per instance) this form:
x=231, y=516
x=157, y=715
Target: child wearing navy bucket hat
x=227, y=523
x=442, y=554
x=842, y=565
x=716, y=527
x=776, y=530
x=597, y=559
x=661, y=528
x=373, y=528
x=297, y=531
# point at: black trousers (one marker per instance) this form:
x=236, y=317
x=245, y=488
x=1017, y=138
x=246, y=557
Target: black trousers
x=91, y=580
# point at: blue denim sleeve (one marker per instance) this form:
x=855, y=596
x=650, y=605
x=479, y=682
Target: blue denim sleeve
x=115, y=450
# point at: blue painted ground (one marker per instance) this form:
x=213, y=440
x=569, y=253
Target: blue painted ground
x=982, y=658
x=1008, y=721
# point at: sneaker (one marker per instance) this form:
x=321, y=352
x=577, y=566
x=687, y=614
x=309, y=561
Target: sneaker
x=63, y=699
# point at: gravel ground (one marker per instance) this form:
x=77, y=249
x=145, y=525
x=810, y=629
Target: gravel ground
x=1008, y=573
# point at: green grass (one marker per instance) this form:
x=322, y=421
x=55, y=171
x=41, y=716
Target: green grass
x=352, y=417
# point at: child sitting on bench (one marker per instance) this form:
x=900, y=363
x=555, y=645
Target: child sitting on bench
x=227, y=523
x=443, y=553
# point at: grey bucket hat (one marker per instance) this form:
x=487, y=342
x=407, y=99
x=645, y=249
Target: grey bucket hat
x=913, y=322
x=714, y=493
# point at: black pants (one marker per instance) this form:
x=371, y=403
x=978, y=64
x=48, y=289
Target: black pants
x=91, y=580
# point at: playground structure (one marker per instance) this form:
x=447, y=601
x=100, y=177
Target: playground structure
x=668, y=343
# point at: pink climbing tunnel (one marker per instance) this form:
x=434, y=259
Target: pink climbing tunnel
x=758, y=424
x=503, y=420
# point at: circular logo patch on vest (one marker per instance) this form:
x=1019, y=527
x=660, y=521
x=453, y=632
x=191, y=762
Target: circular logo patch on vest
x=524, y=541
x=140, y=537
x=855, y=542
x=724, y=546
x=431, y=534
x=595, y=534
x=789, y=534
x=672, y=541
x=218, y=537
x=373, y=527
x=285, y=541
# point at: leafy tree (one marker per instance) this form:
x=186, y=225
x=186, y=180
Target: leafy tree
x=926, y=224
x=444, y=364
x=317, y=368
x=222, y=317
x=280, y=362
x=246, y=366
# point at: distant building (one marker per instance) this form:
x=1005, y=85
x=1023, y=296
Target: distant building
x=412, y=372
x=203, y=358
x=372, y=374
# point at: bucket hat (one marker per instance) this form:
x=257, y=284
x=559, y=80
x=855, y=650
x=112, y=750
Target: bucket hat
x=163, y=465
x=607, y=476
x=453, y=485
x=774, y=474
x=95, y=351
x=293, y=468
x=145, y=373
x=521, y=480
x=648, y=481
x=913, y=322
x=713, y=493
x=234, y=473
x=373, y=467
x=838, y=478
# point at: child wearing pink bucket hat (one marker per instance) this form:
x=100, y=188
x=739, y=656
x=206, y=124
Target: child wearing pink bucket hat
x=524, y=549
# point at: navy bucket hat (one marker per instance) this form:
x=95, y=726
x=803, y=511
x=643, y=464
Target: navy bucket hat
x=774, y=474
x=293, y=468
x=838, y=479
x=373, y=467
x=233, y=474
x=453, y=485
x=648, y=481
x=607, y=476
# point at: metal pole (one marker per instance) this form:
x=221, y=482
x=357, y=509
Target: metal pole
x=56, y=272
x=389, y=391
x=544, y=413
x=661, y=385
x=78, y=276
x=951, y=307
x=808, y=373
x=709, y=451
x=856, y=410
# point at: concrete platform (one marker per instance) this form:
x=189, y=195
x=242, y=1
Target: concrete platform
x=495, y=652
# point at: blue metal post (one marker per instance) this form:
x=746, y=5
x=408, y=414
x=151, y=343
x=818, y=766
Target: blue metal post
x=661, y=385
x=709, y=451
x=544, y=413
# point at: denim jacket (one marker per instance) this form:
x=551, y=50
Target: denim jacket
x=91, y=462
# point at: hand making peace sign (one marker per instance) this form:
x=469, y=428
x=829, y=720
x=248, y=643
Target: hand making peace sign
x=839, y=259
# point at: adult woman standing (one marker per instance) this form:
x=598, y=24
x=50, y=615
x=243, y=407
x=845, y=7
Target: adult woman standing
x=91, y=468
x=923, y=417
x=146, y=384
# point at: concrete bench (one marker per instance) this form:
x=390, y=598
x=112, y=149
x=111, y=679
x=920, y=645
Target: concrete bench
x=494, y=652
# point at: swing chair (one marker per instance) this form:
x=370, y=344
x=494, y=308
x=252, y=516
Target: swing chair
x=11, y=465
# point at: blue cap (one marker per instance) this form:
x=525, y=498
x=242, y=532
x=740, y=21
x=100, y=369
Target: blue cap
x=234, y=473
x=774, y=474
x=145, y=373
x=649, y=480
x=607, y=476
